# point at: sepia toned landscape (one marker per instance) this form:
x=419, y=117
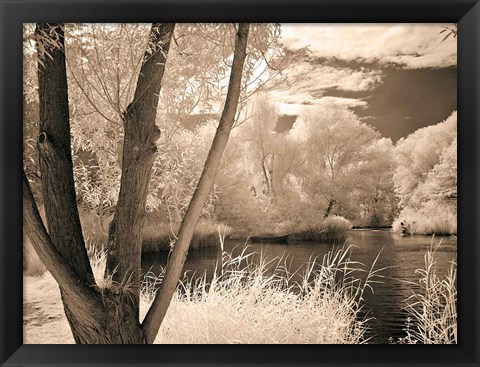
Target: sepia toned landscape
x=240, y=183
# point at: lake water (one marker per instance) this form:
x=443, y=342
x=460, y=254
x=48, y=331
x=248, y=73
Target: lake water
x=401, y=256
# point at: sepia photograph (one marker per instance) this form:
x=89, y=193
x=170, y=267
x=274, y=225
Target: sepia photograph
x=240, y=183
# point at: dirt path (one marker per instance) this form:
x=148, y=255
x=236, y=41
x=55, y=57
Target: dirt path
x=43, y=319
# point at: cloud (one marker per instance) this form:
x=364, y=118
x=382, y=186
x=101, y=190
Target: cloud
x=292, y=108
x=308, y=84
x=304, y=75
x=410, y=45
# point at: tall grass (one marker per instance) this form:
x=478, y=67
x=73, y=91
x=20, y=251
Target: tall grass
x=250, y=302
x=433, y=309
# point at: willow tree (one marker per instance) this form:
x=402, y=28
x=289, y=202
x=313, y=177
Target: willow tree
x=111, y=314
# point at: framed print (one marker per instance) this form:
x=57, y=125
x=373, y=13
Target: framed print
x=240, y=183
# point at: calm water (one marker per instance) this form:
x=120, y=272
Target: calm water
x=400, y=255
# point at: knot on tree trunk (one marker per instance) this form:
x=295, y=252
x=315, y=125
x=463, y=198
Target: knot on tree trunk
x=42, y=137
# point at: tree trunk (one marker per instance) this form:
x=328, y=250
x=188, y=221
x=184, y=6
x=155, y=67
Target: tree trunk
x=157, y=311
x=110, y=315
x=94, y=317
x=265, y=174
x=54, y=151
x=329, y=208
x=141, y=133
x=56, y=166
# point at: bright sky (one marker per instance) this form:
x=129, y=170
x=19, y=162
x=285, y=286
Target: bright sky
x=398, y=77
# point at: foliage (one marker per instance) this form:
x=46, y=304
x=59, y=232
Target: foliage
x=426, y=179
x=330, y=162
x=331, y=229
x=262, y=142
x=94, y=226
x=103, y=61
x=417, y=155
x=376, y=197
x=176, y=172
x=422, y=221
x=162, y=236
x=344, y=163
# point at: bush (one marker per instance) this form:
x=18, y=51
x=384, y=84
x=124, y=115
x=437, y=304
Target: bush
x=331, y=229
x=432, y=218
x=162, y=236
x=376, y=220
x=157, y=235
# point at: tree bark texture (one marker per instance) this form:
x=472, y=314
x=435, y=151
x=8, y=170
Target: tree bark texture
x=95, y=317
x=157, y=311
x=55, y=156
x=55, y=160
x=141, y=133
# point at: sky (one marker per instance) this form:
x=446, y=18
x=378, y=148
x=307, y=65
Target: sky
x=396, y=77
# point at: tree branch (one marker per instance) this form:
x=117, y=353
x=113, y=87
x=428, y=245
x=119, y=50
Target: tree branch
x=141, y=133
x=51, y=257
x=54, y=149
x=157, y=311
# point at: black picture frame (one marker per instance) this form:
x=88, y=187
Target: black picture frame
x=464, y=12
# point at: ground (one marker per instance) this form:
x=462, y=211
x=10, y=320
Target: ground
x=44, y=321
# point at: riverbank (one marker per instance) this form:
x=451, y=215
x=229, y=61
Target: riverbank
x=253, y=298
x=243, y=305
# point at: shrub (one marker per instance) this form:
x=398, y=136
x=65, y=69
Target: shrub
x=162, y=236
x=375, y=220
x=331, y=229
x=434, y=217
x=94, y=226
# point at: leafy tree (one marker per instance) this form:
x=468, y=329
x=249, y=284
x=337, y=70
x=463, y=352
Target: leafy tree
x=177, y=170
x=441, y=181
x=336, y=150
x=376, y=195
x=426, y=179
x=416, y=155
x=260, y=136
x=99, y=58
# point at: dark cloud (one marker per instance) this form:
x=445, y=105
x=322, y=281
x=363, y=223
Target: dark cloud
x=406, y=100
x=410, y=99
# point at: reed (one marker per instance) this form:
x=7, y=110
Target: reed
x=257, y=301
x=433, y=308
